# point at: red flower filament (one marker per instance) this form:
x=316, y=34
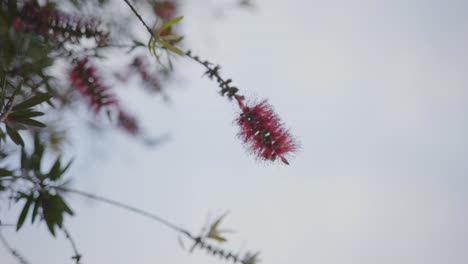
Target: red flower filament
x=263, y=132
x=128, y=123
x=165, y=10
x=139, y=65
x=58, y=26
x=84, y=79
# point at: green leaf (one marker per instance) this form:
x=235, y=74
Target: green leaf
x=172, y=48
x=35, y=100
x=50, y=215
x=63, y=205
x=53, y=208
x=25, y=113
x=171, y=38
x=14, y=135
x=37, y=204
x=24, y=213
x=138, y=43
x=214, y=232
x=66, y=167
x=38, y=146
x=12, y=7
x=250, y=258
x=5, y=172
x=217, y=237
x=30, y=122
x=55, y=171
x=36, y=162
x=2, y=136
x=169, y=24
x=25, y=164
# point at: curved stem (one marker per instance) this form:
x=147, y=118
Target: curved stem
x=225, y=86
x=77, y=256
x=124, y=206
x=13, y=251
x=139, y=17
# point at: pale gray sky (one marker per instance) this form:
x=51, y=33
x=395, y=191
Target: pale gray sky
x=376, y=91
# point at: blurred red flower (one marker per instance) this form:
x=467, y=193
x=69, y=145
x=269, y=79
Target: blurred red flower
x=263, y=132
x=165, y=10
x=84, y=79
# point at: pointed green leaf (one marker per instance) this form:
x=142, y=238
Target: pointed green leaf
x=37, y=204
x=38, y=146
x=24, y=213
x=172, y=48
x=214, y=232
x=66, y=167
x=25, y=163
x=63, y=205
x=35, y=100
x=14, y=135
x=49, y=215
x=169, y=24
x=5, y=172
x=55, y=171
x=217, y=237
x=25, y=113
x=30, y=122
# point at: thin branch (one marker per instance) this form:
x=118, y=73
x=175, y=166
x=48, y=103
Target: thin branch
x=198, y=241
x=9, y=105
x=225, y=86
x=126, y=207
x=13, y=251
x=213, y=72
x=77, y=256
x=139, y=17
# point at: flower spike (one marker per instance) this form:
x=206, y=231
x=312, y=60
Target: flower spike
x=263, y=132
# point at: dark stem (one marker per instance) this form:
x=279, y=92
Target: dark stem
x=13, y=251
x=226, y=88
x=77, y=256
x=139, y=17
x=213, y=72
x=126, y=207
x=198, y=241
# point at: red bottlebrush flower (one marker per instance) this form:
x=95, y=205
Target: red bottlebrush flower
x=128, y=123
x=140, y=66
x=84, y=79
x=57, y=26
x=263, y=132
x=165, y=10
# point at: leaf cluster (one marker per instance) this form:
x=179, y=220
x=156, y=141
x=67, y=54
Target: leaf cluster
x=162, y=38
x=42, y=196
x=21, y=115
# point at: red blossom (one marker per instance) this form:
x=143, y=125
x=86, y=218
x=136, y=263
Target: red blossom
x=128, y=123
x=56, y=25
x=263, y=132
x=165, y=10
x=84, y=79
x=139, y=65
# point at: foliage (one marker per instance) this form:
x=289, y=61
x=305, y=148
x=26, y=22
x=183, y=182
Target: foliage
x=38, y=37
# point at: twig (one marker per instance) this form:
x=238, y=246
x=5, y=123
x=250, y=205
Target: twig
x=231, y=91
x=213, y=72
x=198, y=241
x=9, y=105
x=77, y=256
x=13, y=251
x=124, y=206
x=139, y=17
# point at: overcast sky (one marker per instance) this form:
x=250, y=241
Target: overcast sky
x=376, y=91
